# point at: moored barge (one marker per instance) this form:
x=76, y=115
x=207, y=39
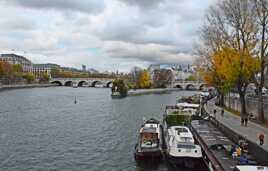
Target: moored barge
x=219, y=152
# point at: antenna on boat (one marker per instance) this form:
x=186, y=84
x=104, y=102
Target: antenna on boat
x=144, y=119
x=75, y=101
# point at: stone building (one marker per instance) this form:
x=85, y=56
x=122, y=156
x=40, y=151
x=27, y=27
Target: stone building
x=17, y=59
x=39, y=69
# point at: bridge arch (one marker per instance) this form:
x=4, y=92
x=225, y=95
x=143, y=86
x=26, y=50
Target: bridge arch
x=81, y=83
x=178, y=86
x=190, y=87
x=68, y=83
x=56, y=82
x=109, y=84
x=202, y=86
x=95, y=82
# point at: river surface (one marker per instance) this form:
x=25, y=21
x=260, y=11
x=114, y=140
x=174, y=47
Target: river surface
x=43, y=129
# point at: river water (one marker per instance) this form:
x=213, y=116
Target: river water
x=43, y=129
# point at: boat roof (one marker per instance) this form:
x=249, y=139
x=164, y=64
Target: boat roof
x=152, y=121
x=183, y=129
x=148, y=130
x=190, y=105
x=210, y=134
x=212, y=137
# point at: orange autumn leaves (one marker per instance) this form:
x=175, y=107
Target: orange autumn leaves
x=230, y=66
x=144, y=80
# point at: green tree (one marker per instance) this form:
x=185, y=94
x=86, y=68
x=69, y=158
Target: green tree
x=17, y=70
x=29, y=77
x=44, y=77
x=191, y=78
x=120, y=86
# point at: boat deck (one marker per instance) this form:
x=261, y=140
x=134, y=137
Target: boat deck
x=216, y=145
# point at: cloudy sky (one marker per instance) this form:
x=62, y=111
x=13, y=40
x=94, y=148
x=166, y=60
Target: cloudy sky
x=102, y=34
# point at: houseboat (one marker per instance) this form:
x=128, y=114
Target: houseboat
x=150, y=141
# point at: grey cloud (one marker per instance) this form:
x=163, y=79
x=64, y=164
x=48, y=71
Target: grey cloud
x=143, y=3
x=152, y=53
x=87, y=6
x=130, y=31
x=18, y=24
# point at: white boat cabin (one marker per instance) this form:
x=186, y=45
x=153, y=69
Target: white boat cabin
x=181, y=143
x=150, y=135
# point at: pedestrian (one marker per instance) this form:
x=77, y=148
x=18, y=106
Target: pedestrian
x=246, y=120
x=242, y=121
x=261, y=138
x=222, y=112
x=214, y=112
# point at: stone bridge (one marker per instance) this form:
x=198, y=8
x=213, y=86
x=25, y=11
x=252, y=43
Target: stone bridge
x=189, y=85
x=107, y=82
x=83, y=82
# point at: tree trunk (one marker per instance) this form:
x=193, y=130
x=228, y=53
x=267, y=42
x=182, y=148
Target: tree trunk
x=243, y=104
x=221, y=100
x=260, y=105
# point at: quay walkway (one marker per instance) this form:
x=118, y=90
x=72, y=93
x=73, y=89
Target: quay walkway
x=250, y=133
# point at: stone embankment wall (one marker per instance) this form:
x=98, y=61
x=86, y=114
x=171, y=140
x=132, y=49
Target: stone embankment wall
x=251, y=104
x=10, y=87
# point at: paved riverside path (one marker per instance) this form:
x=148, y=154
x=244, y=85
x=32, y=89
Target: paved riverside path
x=233, y=122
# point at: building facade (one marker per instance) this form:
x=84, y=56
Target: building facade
x=27, y=65
x=39, y=69
x=17, y=59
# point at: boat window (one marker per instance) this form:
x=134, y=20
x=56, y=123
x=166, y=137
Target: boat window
x=180, y=130
x=187, y=146
x=186, y=139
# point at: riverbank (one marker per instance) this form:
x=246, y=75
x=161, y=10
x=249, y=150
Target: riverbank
x=20, y=86
x=151, y=91
x=230, y=124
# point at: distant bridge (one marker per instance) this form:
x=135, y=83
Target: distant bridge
x=107, y=82
x=83, y=82
x=189, y=85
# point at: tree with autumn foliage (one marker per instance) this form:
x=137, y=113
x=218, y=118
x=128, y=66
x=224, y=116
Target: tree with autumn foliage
x=6, y=71
x=29, y=77
x=233, y=34
x=144, y=80
x=232, y=68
